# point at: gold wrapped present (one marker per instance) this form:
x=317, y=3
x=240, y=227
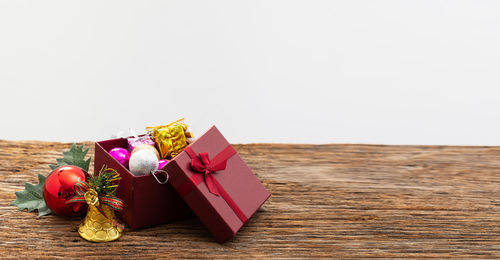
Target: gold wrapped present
x=171, y=139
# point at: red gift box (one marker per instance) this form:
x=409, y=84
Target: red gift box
x=217, y=184
x=208, y=178
x=147, y=202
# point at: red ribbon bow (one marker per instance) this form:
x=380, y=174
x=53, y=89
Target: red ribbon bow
x=115, y=203
x=203, y=164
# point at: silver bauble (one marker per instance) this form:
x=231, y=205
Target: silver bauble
x=143, y=162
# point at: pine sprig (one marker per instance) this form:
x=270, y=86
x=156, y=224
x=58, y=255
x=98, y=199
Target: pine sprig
x=74, y=156
x=106, y=182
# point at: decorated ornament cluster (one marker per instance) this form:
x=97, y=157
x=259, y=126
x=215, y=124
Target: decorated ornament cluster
x=149, y=153
x=69, y=190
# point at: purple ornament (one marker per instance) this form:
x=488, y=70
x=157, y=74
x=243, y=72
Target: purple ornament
x=121, y=155
x=162, y=163
x=135, y=141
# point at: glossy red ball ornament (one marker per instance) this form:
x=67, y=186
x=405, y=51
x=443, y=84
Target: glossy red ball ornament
x=58, y=189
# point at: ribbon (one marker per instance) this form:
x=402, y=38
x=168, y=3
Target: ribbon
x=202, y=164
x=86, y=194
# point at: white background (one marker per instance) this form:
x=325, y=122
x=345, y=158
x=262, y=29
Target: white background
x=391, y=72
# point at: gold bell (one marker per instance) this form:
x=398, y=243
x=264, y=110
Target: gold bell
x=100, y=224
x=99, y=228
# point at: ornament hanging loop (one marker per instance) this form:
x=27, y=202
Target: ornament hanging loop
x=162, y=172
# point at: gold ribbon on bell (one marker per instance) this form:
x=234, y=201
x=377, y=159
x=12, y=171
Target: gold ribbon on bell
x=100, y=224
x=171, y=139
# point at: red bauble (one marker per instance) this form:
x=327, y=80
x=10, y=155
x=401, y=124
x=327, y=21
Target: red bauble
x=58, y=189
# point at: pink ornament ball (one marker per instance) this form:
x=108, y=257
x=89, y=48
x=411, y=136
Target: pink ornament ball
x=121, y=155
x=162, y=163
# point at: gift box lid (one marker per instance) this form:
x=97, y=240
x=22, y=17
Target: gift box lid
x=217, y=184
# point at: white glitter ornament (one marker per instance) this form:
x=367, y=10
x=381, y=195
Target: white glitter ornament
x=143, y=162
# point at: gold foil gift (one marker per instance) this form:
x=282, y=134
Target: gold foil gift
x=171, y=139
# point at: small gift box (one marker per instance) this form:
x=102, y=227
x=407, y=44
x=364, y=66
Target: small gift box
x=217, y=184
x=147, y=202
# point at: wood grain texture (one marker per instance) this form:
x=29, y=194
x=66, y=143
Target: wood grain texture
x=327, y=201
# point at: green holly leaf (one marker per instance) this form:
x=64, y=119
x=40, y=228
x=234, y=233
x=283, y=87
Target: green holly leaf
x=32, y=198
x=74, y=156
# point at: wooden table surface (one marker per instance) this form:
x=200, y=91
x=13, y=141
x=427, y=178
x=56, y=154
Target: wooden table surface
x=327, y=201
